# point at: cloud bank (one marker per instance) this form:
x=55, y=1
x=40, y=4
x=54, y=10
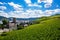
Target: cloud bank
x=28, y=13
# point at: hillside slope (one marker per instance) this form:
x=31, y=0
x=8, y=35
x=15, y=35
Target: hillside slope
x=46, y=30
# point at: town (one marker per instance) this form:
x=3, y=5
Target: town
x=6, y=25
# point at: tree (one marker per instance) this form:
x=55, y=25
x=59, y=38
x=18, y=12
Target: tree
x=5, y=21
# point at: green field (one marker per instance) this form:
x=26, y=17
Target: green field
x=48, y=29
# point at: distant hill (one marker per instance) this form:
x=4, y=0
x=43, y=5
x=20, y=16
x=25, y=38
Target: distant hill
x=10, y=18
x=1, y=17
x=48, y=29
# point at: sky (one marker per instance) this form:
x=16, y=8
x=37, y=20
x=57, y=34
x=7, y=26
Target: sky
x=29, y=8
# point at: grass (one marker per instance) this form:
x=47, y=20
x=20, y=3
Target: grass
x=46, y=30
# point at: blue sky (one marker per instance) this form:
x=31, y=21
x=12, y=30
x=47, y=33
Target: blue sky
x=29, y=8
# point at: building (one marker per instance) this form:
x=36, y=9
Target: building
x=13, y=24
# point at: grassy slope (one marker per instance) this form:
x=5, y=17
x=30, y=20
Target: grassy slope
x=45, y=18
x=46, y=30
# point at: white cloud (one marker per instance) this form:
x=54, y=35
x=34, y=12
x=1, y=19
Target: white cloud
x=49, y=1
x=1, y=3
x=3, y=8
x=2, y=13
x=36, y=5
x=49, y=12
x=34, y=13
x=12, y=14
x=28, y=1
x=52, y=12
x=47, y=5
x=40, y=13
x=29, y=13
x=57, y=11
x=45, y=1
x=17, y=7
x=18, y=14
